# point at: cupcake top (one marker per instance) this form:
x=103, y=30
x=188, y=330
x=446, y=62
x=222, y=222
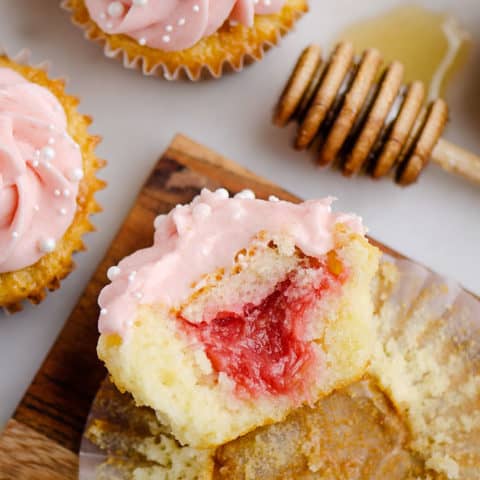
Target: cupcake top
x=173, y=25
x=40, y=171
x=196, y=239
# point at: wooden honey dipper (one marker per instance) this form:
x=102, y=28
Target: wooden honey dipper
x=368, y=124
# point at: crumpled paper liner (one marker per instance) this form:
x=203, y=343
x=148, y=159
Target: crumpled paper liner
x=415, y=415
x=32, y=282
x=229, y=50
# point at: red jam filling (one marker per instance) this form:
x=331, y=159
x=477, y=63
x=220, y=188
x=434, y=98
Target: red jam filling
x=263, y=349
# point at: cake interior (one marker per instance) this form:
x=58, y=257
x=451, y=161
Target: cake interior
x=277, y=330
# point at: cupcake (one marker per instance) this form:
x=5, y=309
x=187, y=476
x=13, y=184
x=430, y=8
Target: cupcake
x=47, y=182
x=242, y=311
x=186, y=37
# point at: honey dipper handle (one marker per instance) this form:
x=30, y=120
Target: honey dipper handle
x=454, y=159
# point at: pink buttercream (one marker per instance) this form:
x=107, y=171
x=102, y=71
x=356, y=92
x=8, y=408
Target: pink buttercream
x=173, y=25
x=198, y=238
x=40, y=169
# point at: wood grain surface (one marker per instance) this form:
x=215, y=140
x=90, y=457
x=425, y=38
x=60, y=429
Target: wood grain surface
x=42, y=439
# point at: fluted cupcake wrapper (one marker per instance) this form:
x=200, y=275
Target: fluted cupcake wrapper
x=426, y=363
x=189, y=64
x=32, y=283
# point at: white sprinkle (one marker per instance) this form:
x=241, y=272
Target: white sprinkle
x=196, y=8
x=115, y=9
x=51, y=127
x=46, y=245
x=140, y=3
x=267, y=2
x=222, y=193
x=57, y=192
x=169, y=28
x=66, y=192
x=51, y=141
x=246, y=194
x=138, y=295
x=201, y=211
x=113, y=272
x=36, y=208
x=131, y=276
x=166, y=38
x=159, y=220
x=205, y=251
x=103, y=311
x=142, y=41
x=15, y=234
x=47, y=153
x=181, y=22
x=63, y=211
x=76, y=174
x=273, y=198
x=35, y=163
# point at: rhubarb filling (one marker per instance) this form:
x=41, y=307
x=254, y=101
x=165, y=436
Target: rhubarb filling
x=265, y=349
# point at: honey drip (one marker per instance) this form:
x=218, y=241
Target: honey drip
x=431, y=45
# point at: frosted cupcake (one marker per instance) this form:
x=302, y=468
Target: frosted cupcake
x=175, y=37
x=241, y=311
x=47, y=182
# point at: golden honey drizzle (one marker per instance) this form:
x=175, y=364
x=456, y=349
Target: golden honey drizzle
x=431, y=45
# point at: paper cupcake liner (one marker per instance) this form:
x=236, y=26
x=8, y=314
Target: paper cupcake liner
x=177, y=70
x=423, y=386
x=47, y=273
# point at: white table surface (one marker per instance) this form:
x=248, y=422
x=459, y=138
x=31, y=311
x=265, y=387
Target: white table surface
x=436, y=222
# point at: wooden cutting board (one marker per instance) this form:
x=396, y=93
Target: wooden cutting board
x=42, y=439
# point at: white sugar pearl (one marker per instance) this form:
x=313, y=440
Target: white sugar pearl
x=140, y=3
x=63, y=211
x=35, y=163
x=103, y=311
x=75, y=174
x=222, y=193
x=138, y=295
x=47, y=164
x=169, y=28
x=46, y=245
x=181, y=22
x=51, y=127
x=245, y=195
x=131, y=276
x=47, y=153
x=57, y=192
x=115, y=9
x=201, y=211
x=196, y=8
x=66, y=192
x=15, y=234
x=36, y=208
x=142, y=41
x=113, y=272
x=273, y=198
x=166, y=39
x=159, y=220
x=51, y=141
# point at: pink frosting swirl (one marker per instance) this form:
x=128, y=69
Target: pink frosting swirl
x=40, y=171
x=173, y=25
